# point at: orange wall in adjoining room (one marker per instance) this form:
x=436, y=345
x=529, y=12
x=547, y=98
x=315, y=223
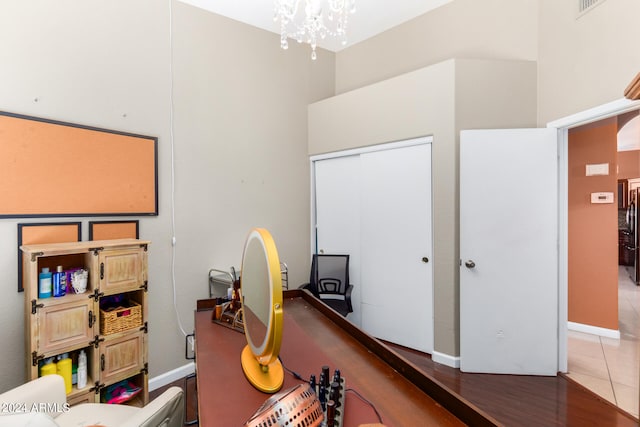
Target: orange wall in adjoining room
x=629, y=164
x=593, y=228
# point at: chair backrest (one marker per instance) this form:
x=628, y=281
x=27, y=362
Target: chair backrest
x=329, y=274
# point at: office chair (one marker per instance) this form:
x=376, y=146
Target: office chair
x=329, y=281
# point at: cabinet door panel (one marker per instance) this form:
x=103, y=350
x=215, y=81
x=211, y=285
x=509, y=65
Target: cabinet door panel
x=121, y=357
x=64, y=326
x=121, y=271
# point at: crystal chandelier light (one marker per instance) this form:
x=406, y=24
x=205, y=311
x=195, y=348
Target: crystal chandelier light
x=319, y=19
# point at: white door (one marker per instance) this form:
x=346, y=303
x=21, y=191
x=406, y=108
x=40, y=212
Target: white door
x=396, y=264
x=337, y=189
x=337, y=216
x=509, y=251
x=376, y=206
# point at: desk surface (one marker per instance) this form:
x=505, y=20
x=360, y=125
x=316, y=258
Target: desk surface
x=311, y=339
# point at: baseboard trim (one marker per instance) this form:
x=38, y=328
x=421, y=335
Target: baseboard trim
x=594, y=330
x=446, y=359
x=171, y=376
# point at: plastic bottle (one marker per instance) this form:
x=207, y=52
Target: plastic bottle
x=49, y=367
x=82, y=370
x=44, y=283
x=63, y=368
x=59, y=282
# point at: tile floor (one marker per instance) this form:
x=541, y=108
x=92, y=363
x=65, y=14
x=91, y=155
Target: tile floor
x=610, y=367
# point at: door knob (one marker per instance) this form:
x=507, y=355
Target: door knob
x=469, y=264
x=425, y=259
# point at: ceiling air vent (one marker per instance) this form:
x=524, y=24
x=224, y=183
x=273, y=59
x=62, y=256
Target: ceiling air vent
x=586, y=5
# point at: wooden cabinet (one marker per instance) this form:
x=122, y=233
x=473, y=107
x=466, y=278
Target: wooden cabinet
x=117, y=276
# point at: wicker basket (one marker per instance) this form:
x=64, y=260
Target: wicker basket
x=121, y=318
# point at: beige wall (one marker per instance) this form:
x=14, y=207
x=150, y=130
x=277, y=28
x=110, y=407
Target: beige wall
x=581, y=63
x=240, y=138
x=88, y=63
x=491, y=29
x=240, y=123
x=493, y=94
x=585, y=62
x=416, y=104
x=461, y=29
x=435, y=100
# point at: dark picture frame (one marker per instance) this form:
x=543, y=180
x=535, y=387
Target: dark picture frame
x=50, y=168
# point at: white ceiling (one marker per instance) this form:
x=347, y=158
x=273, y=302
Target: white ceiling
x=371, y=17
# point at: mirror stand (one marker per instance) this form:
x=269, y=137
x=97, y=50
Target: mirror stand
x=266, y=378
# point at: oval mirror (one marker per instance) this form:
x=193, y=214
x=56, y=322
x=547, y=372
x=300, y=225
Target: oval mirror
x=261, y=289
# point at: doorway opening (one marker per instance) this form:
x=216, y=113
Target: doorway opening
x=603, y=358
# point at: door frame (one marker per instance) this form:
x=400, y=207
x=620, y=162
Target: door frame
x=563, y=125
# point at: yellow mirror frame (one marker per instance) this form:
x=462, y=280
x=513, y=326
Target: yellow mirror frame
x=260, y=363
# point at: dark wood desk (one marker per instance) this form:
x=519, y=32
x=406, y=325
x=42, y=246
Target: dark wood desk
x=314, y=336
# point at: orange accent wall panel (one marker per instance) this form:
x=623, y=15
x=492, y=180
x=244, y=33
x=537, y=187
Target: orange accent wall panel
x=51, y=168
x=109, y=230
x=629, y=164
x=593, y=228
x=30, y=234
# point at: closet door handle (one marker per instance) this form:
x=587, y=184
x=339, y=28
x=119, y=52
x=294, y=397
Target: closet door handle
x=470, y=264
x=102, y=362
x=91, y=319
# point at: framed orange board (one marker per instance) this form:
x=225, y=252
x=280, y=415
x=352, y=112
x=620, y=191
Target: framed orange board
x=109, y=230
x=52, y=232
x=50, y=168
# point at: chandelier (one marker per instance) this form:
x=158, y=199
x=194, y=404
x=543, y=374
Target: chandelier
x=321, y=18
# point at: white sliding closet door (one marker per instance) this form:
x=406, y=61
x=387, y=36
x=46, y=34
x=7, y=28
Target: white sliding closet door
x=337, y=189
x=397, y=290
x=375, y=205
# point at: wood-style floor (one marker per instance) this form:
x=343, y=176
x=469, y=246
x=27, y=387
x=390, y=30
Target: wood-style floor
x=512, y=400
x=525, y=400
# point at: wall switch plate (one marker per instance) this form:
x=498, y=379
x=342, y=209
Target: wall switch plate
x=599, y=169
x=604, y=197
